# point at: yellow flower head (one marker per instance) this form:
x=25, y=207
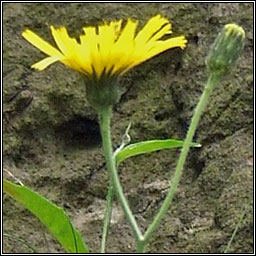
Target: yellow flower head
x=109, y=49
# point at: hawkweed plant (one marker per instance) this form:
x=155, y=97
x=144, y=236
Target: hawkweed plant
x=102, y=55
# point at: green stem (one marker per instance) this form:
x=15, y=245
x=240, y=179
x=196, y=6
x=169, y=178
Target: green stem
x=235, y=231
x=212, y=80
x=105, y=117
x=141, y=246
x=107, y=216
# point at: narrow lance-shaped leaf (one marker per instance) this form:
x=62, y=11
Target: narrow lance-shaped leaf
x=52, y=216
x=147, y=147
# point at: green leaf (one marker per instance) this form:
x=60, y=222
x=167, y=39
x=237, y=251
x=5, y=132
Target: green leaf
x=147, y=147
x=52, y=216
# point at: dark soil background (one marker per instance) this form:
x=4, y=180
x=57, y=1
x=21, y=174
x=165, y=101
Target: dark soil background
x=52, y=141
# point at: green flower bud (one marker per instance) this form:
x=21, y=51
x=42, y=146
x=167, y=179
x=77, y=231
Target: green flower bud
x=226, y=49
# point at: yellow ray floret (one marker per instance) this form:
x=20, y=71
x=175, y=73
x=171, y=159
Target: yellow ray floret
x=107, y=49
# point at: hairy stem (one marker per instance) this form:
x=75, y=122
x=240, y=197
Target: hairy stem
x=107, y=217
x=105, y=118
x=212, y=80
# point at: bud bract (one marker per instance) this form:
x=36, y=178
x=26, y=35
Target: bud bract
x=226, y=49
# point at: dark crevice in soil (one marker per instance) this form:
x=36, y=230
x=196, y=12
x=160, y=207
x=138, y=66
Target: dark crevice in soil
x=80, y=132
x=195, y=162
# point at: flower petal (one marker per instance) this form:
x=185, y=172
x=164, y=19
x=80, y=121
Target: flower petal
x=161, y=46
x=40, y=43
x=152, y=27
x=43, y=64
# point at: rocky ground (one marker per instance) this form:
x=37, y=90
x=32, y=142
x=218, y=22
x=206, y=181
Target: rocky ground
x=53, y=145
